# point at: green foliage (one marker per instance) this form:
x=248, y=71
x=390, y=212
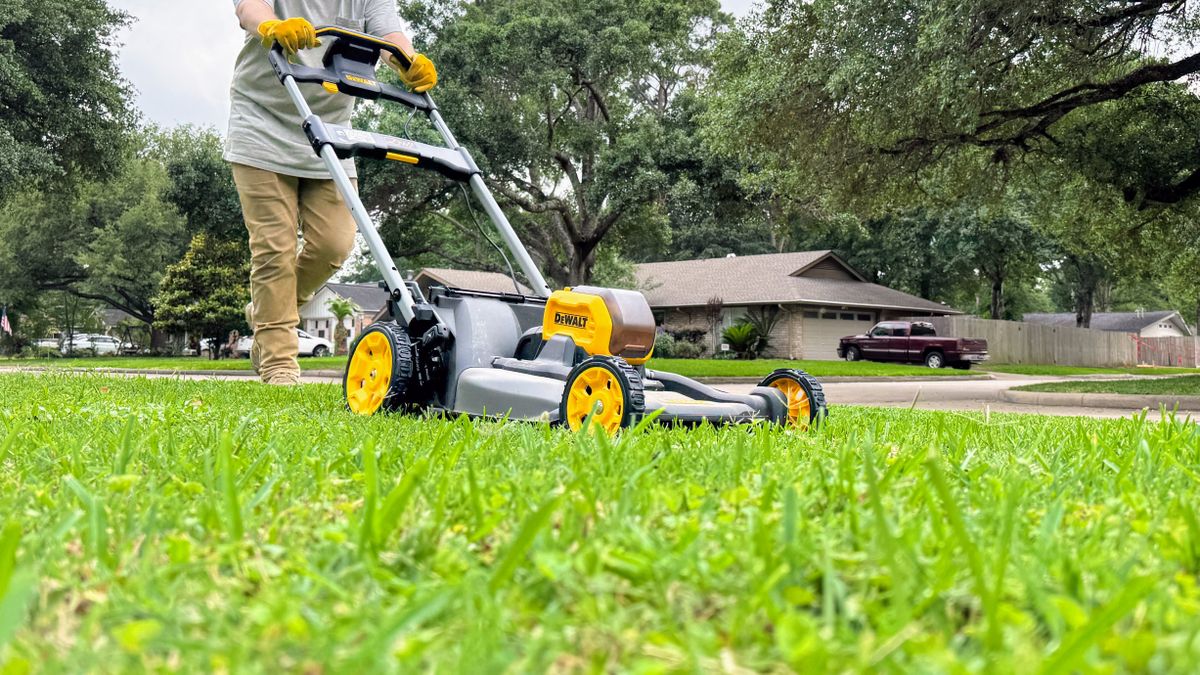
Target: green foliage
x=63, y=103
x=743, y=338
x=569, y=108
x=201, y=181
x=664, y=346
x=108, y=241
x=201, y=525
x=206, y=292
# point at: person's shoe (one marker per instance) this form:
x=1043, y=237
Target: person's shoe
x=255, y=356
x=283, y=380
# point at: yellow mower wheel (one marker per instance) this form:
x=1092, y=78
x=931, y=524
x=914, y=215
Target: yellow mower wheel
x=607, y=388
x=805, y=397
x=379, y=370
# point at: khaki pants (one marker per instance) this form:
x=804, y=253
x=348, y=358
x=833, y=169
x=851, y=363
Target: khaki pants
x=283, y=276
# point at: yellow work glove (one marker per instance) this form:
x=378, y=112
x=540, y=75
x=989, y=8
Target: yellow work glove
x=421, y=76
x=293, y=34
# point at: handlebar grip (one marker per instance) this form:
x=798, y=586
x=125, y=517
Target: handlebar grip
x=365, y=40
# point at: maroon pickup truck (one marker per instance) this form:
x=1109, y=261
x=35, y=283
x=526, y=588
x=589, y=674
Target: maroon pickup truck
x=913, y=343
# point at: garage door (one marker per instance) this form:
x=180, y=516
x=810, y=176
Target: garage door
x=820, y=336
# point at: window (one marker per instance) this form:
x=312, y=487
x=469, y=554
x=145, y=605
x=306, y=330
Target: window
x=923, y=329
x=881, y=331
x=864, y=317
x=846, y=317
x=321, y=333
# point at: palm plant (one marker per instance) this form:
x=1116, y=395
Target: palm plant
x=742, y=338
x=340, y=308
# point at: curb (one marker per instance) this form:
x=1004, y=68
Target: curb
x=852, y=378
x=216, y=374
x=337, y=374
x=1113, y=401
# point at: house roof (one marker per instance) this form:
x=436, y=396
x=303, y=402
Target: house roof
x=775, y=278
x=471, y=280
x=368, y=297
x=1120, y=322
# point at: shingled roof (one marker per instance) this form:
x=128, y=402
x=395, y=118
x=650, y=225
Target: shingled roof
x=368, y=297
x=809, y=277
x=471, y=280
x=1117, y=322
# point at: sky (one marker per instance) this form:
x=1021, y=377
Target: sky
x=178, y=57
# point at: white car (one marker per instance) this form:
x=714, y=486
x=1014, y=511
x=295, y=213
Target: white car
x=100, y=345
x=309, y=345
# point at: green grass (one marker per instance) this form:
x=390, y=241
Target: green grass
x=1171, y=386
x=200, y=526
x=167, y=363
x=1075, y=370
x=688, y=367
x=763, y=367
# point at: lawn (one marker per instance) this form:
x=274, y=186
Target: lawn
x=1170, y=386
x=210, y=526
x=1066, y=371
x=689, y=367
x=167, y=363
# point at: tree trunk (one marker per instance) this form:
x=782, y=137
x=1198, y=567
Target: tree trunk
x=579, y=267
x=997, y=299
x=1085, y=303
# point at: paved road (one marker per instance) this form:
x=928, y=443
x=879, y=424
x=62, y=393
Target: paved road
x=973, y=395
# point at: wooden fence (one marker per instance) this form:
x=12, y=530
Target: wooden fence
x=1024, y=343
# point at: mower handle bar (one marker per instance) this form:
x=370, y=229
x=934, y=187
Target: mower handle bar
x=349, y=68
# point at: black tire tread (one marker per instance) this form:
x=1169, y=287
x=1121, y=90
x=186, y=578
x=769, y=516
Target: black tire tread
x=820, y=409
x=399, y=392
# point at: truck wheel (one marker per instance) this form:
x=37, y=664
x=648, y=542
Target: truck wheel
x=853, y=354
x=935, y=360
x=320, y=352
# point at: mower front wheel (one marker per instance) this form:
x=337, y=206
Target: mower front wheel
x=608, y=389
x=805, y=396
x=379, y=371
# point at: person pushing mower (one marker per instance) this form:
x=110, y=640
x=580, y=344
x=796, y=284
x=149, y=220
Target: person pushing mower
x=284, y=188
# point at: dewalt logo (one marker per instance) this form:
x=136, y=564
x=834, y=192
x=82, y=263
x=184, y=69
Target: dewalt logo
x=361, y=80
x=570, y=320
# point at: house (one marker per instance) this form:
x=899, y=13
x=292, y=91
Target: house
x=317, y=320
x=815, y=295
x=1166, y=323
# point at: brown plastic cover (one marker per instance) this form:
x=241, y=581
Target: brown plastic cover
x=633, y=322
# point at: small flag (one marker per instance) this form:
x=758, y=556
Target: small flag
x=5, y=326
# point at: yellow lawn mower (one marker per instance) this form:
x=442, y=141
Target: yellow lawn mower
x=571, y=357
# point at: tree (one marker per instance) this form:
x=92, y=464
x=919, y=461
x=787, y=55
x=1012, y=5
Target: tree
x=206, y=292
x=564, y=104
x=883, y=100
x=1002, y=249
x=201, y=184
x=63, y=102
x=342, y=309
x=108, y=242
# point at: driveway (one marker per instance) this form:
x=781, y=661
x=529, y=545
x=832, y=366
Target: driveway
x=964, y=395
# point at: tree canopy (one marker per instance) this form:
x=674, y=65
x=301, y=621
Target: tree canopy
x=63, y=104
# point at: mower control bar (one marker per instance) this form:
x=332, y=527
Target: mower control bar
x=347, y=142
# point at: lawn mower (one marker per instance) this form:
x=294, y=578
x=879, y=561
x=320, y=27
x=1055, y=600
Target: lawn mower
x=573, y=357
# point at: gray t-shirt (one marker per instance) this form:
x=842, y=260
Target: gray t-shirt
x=264, y=127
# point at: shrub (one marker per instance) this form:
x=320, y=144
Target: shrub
x=689, y=335
x=664, y=346
x=743, y=339
x=688, y=350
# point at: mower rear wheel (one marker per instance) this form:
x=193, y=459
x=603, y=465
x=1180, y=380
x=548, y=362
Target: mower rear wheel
x=608, y=389
x=379, y=370
x=805, y=396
